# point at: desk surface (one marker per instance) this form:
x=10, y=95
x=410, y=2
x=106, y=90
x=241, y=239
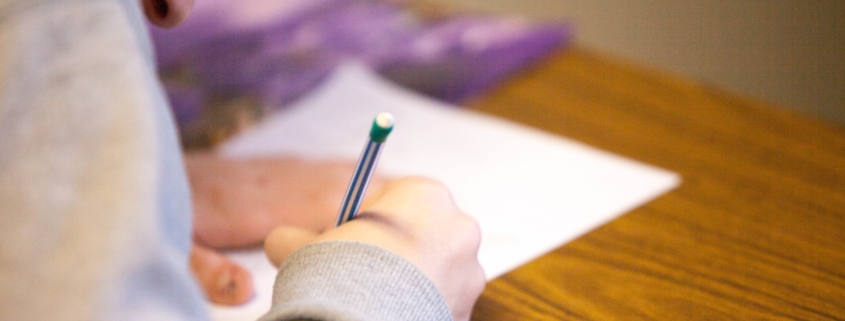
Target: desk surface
x=756, y=230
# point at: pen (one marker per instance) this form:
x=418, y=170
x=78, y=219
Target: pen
x=382, y=125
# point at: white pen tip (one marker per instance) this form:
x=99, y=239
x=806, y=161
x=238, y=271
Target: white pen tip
x=384, y=120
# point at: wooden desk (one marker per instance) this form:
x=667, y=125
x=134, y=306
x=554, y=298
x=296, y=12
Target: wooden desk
x=756, y=230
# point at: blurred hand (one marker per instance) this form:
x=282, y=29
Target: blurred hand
x=237, y=202
x=223, y=281
x=417, y=219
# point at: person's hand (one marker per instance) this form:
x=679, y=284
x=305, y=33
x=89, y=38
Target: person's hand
x=417, y=219
x=237, y=202
x=223, y=281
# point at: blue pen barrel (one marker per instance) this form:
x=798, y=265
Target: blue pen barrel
x=382, y=126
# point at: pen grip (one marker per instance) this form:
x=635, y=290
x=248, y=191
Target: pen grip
x=358, y=184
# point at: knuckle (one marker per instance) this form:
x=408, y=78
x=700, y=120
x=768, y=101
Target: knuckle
x=423, y=183
x=471, y=231
x=423, y=189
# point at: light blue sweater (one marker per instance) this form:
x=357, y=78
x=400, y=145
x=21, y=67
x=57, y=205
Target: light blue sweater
x=94, y=202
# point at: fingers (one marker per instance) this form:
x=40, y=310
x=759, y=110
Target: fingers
x=237, y=202
x=462, y=307
x=468, y=289
x=223, y=281
x=417, y=218
x=284, y=240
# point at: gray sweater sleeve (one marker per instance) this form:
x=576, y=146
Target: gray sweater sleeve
x=348, y=281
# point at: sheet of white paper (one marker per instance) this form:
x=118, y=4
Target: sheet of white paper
x=529, y=190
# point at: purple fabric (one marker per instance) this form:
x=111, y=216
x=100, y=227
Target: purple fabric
x=281, y=53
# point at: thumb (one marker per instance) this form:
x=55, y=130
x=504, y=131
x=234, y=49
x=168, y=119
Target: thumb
x=224, y=281
x=284, y=240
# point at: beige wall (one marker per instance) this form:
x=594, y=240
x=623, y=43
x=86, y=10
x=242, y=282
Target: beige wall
x=789, y=52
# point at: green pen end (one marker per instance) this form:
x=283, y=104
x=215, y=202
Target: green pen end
x=382, y=126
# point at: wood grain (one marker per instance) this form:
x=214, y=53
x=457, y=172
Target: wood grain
x=755, y=232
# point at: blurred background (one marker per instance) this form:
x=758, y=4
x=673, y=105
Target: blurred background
x=788, y=53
